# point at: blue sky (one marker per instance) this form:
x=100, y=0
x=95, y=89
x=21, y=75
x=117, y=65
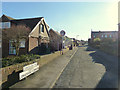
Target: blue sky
x=76, y=18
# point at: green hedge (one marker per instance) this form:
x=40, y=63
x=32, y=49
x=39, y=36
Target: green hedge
x=107, y=45
x=18, y=59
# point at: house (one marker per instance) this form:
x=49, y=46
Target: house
x=38, y=36
x=55, y=40
x=68, y=42
x=104, y=34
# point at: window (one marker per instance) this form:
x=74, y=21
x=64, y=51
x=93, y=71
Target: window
x=106, y=36
x=5, y=25
x=41, y=28
x=22, y=43
x=12, y=49
x=110, y=36
x=102, y=36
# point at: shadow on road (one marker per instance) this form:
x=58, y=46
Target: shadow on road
x=110, y=78
x=89, y=49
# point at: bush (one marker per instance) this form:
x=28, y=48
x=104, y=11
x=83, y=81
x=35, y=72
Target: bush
x=18, y=59
x=109, y=46
x=96, y=41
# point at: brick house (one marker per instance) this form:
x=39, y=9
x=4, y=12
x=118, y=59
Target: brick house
x=38, y=36
x=55, y=40
x=104, y=34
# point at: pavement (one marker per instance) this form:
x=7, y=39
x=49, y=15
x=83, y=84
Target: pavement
x=89, y=68
x=48, y=74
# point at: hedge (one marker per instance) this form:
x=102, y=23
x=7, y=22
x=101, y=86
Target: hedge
x=18, y=59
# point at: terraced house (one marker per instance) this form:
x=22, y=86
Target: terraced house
x=37, y=39
x=104, y=34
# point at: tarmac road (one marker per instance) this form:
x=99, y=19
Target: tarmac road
x=89, y=68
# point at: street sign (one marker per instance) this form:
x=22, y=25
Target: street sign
x=62, y=32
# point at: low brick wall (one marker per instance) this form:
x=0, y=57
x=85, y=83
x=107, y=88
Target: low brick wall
x=8, y=71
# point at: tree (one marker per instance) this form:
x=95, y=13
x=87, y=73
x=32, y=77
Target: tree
x=16, y=33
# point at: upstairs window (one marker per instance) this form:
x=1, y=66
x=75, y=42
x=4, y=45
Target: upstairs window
x=41, y=29
x=106, y=36
x=102, y=36
x=110, y=36
x=4, y=25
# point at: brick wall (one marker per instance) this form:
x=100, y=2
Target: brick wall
x=33, y=45
x=5, y=48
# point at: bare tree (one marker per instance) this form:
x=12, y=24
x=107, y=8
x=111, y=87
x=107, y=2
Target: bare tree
x=16, y=33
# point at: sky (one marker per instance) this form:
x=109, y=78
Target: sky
x=77, y=19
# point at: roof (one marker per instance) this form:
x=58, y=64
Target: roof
x=30, y=22
x=54, y=32
x=104, y=31
x=6, y=18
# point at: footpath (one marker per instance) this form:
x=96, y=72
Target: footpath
x=47, y=76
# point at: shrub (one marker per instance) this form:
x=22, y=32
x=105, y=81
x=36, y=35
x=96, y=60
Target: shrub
x=18, y=59
x=96, y=43
x=109, y=46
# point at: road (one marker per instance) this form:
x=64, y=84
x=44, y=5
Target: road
x=89, y=68
x=82, y=67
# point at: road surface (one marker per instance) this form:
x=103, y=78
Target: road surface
x=89, y=69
